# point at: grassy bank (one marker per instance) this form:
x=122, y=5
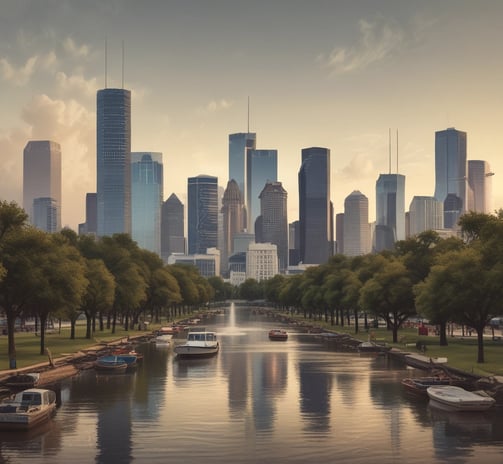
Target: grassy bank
x=461, y=352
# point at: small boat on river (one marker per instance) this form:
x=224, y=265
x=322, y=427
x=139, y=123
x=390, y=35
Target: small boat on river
x=27, y=409
x=278, y=335
x=458, y=399
x=419, y=385
x=25, y=380
x=198, y=344
x=373, y=347
x=111, y=365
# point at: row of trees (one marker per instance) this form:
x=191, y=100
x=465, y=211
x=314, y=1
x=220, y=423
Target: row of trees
x=457, y=280
x=63, y=275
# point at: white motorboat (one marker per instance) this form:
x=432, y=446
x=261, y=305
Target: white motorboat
x=27, y=409
x=198, y=344
x=459, y=399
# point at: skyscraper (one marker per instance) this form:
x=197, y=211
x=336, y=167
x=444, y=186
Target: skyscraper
x=172, y=227
x=113, y=161
x=239, y=145
x=274, y=222
x=202, y=194
x=315, y=208
x=42, y=179
x=356, y=225
x=146, y=199
x=425, y=213
x=45, y=214
x=91, y=213
x=480, y=183
x=261, y=167
x=451, y=172
x=390, y=211
x=233, y=220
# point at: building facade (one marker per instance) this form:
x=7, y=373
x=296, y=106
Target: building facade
x=202, y=214
x=261, y=261
x=480, y=183
x=451, y=173
x=147, y=192
x=390, y=211
x=42, y=179
x=172, y=227
x=425, y=213
x=356, y=225
x=45, y=214
x=233, y=220
x=274, y=220
x=113, y=130
x=315, y=209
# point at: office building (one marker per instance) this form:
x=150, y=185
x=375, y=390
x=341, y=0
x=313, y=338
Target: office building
x=356, y=225
x=315, y=208
x=261, y=167
x=208, y=264
x=233, y=220
x=239, y=145
x=146, y=199
x=172, y=227
x=273, y=224
x=45, y=214
x=202, y=214
x=339, y=233
x=451, y=173
x=261, y=261
x=293, y=243
x=390, y=211
x=113, y=152
x=42, y=179
x=480, y=183
x=425, y=213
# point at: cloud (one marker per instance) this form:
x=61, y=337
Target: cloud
x=378, y=40
x=74, y=50
x=18, y=76
x=78, y=83
x=214, y=106
x=359, y=166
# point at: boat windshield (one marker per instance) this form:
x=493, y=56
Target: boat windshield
x=31, y=398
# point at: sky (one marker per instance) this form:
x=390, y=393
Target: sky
x=329, y=73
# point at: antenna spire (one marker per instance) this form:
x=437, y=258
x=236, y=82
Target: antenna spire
x=123, y=65
x=397, y=151
x=105, y=63
x=248, y=129
x=389, y=149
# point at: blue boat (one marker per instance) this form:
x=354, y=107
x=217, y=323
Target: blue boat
x=115, y=364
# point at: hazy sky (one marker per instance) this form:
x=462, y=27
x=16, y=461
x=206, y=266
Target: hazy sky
x=336, y=74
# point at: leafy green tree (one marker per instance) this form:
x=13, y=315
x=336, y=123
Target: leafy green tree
x=389, y=295
x=290, y=294
x=251, y=290
x=12, y=217
x=272, y=289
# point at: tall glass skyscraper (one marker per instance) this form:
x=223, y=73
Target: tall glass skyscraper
x=239, y=145
x=202, y=223
x=42, y=180
x=480, y=182
x=113, y=130
x=146, y=199
x=261, y=167
x=315, y=209
x=233, y=221
x=425, y=213
x=390, y=211
x=451, y=172
x=172, y=227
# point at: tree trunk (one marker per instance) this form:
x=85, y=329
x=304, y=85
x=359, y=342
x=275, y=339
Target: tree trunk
x=443, y=333
x=356, y=321
x=11, y=326
x=72, y=329
x=43, y=321
x=480, y=344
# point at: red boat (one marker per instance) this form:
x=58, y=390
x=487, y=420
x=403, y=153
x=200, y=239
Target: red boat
x=278, y=335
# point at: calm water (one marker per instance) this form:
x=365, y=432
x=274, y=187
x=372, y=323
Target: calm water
x=257, y=401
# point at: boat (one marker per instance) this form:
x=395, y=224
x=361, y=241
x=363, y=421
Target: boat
x=198, y=344
x=278, y=335
x=27, y=380
x=372, y=347
x=27, y=409
x=111, y=365
x=458, y=399
x=419, y=385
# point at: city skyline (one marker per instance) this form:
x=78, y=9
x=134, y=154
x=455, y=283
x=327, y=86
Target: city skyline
x=330, y=74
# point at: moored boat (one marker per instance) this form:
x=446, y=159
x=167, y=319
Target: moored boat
x=419, y=385
x=278, y=335
x=198, y=344
x=111, y=365
x=27, y=409
x=25, y=380
x=372, y=347
x=458, y=399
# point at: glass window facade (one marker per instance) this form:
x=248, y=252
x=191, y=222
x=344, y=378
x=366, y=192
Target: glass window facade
x=239, y=144
x=390, y=211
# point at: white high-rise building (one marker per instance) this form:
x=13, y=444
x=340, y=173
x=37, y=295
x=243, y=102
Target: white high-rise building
x=261, y=261
x=356, y=235
x=480, y=183
x=425, y=213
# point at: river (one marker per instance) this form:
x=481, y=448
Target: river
x=257, y=401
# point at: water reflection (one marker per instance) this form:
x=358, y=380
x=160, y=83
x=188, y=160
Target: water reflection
x=256, y=401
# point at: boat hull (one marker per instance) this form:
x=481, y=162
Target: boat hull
x=457, y=399
x=25, y=421
x=278, y=335
x=189, y=351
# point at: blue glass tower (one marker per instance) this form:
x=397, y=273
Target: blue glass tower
x=390, y=211
x=261, y=167
x=146, y=199
x=315, y=209
x=202, y=213
x=113, y=152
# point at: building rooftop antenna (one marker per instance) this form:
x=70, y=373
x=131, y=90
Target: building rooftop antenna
x=389, y=149
x=105, y=63
x=123, y=65
x=248, y=129
x=397, y=151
